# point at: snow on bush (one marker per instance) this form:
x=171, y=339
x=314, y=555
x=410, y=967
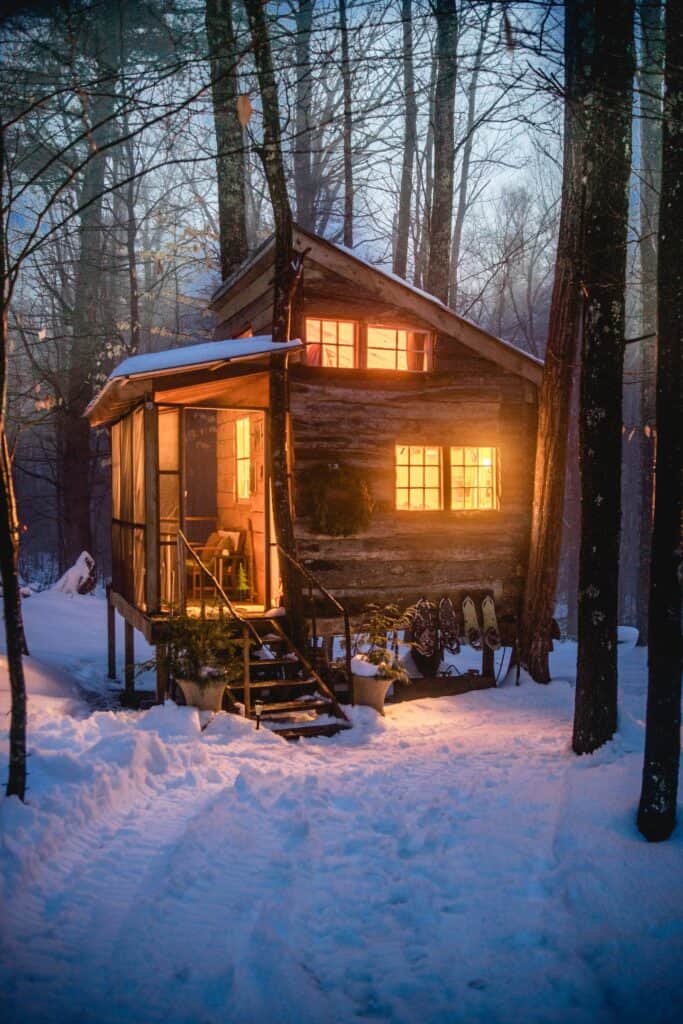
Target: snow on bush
x=80, y=578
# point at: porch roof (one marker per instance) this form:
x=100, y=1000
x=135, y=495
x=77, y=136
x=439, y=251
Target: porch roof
x=136, y=375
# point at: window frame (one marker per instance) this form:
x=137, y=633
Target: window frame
x=241, y=459
x=361, y=347
x=337, y=321
x=446, y=488
x=421, y=467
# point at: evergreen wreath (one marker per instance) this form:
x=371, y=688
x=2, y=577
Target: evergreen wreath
x=339, y=499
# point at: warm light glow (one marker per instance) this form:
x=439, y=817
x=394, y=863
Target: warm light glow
x=243, y=458
x=330, y=343
x=418, y=477
x=474, y=478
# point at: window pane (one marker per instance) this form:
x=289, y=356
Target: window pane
x=168, y=439
x=474, y=478
x=312, y=331
x=346, y=358
x=346, y=334
x=243, y=456
x=418, y=484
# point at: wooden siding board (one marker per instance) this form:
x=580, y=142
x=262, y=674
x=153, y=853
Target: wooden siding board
x=358, y=419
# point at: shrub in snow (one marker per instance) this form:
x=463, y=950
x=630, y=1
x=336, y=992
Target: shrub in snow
x=205, y=651
x=81, y=578
x=375, y=650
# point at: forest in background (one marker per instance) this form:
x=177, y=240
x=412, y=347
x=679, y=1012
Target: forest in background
x=113, y=110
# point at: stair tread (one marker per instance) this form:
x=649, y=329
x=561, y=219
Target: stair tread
x=297, y=705
x=263, y=662
x=293, y=732
x=264, y=684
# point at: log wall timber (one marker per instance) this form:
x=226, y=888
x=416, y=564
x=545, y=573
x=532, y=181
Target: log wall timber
x=357, y=417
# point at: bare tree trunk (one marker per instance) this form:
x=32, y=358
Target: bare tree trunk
x=608, y=133
x=422, y=241
x=9, y=539
x=87, y=315
x=650, y=88
x=558, y=371
x=441, y=214
x=229, y=142
x=303, y=183
x=409, y=144
x=286, y=276
x=657, y=811
x=348, y=127
x=461, y=208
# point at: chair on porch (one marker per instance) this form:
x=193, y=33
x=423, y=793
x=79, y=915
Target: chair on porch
x=224, y=554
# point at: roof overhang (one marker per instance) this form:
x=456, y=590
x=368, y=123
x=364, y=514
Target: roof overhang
x=157, y=373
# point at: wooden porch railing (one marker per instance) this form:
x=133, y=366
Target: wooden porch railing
x=313, y=582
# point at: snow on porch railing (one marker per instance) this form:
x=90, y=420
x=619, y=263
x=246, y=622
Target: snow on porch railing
x=184, y=548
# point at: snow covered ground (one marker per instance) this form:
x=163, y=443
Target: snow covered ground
x=452, y=862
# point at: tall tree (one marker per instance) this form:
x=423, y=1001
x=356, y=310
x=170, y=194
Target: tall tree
x=441, y=211
x=560, y=357
x=608, y=132
x=224, y=60
x=347, y=130
x=303, y=184
x=409, y=144
x=9, y=534
x=657, y=811
x=649, y=124
x=285, y=279
x=468, y=144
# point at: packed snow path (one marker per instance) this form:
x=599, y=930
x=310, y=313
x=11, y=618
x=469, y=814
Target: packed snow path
x=453, y=862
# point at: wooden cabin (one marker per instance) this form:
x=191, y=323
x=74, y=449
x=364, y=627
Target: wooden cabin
x=437, y=416
x=395, y=403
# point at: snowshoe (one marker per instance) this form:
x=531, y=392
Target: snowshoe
x=491, y=632
x=449, y=626
x=472, y=630
x=424, y=629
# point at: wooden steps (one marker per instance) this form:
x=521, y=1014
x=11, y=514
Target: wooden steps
x=316, y=712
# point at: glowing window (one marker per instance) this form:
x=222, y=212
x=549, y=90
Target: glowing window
x=243, y=458
x=391, y=348
x=418, y=477
x=474, y=478
x=330, y=343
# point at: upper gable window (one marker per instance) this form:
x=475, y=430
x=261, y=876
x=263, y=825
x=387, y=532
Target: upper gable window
x=391, y=348
x=330, y=343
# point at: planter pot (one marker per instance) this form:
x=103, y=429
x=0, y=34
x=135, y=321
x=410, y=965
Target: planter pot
x=370, y=691
x=206, y=697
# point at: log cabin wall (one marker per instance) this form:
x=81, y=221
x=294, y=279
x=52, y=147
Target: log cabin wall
x=357, y=418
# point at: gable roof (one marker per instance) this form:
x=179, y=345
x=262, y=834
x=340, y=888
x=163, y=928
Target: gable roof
x=388, y=287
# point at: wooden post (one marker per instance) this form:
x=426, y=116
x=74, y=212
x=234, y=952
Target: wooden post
x=162, y=672
x=111, y=636
x=246, y=652
x=487, y=663
x=152, y=581
x=129, y=659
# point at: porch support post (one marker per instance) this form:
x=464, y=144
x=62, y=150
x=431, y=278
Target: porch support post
x=151, y=505
x=162, y=672
x=129, y=659
x=111, y=636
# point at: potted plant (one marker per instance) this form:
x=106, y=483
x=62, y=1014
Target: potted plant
x=375, y=662
x=203, y=656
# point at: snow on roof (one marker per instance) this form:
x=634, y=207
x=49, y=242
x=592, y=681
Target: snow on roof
x=200, y=355
x=433, y=299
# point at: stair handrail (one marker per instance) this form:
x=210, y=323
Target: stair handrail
x=307, y=574
x=184, y=542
